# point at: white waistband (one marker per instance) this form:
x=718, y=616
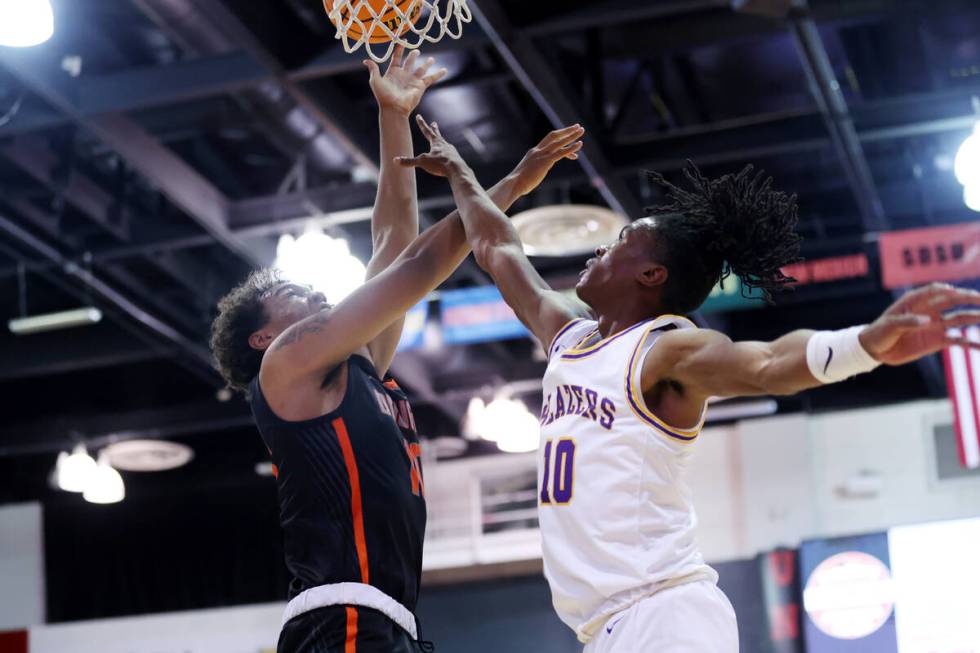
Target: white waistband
x=617, y=604
x=366, y=596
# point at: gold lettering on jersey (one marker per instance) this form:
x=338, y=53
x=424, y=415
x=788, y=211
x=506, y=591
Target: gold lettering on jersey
x=580, y=401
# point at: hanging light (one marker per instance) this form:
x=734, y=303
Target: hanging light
x=473, y=424
x=105, y=484
x=966, y=166
x=971, y=196
x=73, y=472
x=321, y=261
x=511, y=425
x=25, y=23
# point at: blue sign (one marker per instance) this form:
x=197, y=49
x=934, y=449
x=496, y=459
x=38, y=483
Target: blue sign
x=478, y=315
x=413, y=333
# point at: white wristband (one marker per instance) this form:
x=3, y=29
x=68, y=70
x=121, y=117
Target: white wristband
x=837, y=355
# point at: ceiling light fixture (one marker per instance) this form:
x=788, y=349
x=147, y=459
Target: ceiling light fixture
x=505, y=421
x=320, y=261
x=73, y=471
x=27, y=325
x=567, y=229
x=25, y=23
x=105, y=484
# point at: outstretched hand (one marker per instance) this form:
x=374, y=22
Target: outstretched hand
x=540, y=159
x=402, y=86
x=917, y=324
x=442, y=156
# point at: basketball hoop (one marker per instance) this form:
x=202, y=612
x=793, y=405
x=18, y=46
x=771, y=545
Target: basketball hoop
x=381, y=25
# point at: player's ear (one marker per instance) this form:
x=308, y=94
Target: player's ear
x=652, y=274
x=261, y=339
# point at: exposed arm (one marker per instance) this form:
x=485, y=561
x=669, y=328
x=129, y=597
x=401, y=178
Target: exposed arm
x=707, y=363
x=314, y=346
x=499, y=251
x=495, y=242
x=394, y=222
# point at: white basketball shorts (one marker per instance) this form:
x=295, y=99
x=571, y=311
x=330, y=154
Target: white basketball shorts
x=691, y=618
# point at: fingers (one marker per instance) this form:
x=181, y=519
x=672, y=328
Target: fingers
x=424, y=127
x=396, y=58
x=430, y=130
x=937, y=295
x=561, y=135
x=961, y=319
x=908, y=321
x=409, y=161
x=424, y=68
x=429, y=80
x=573, y=135
x=372, y=68
x=571, y=151
x=960, y=341
x=409, y=63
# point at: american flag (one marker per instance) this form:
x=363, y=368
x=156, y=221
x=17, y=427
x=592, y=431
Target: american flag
x=963, y=382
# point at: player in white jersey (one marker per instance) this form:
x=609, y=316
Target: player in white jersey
x=628, y=381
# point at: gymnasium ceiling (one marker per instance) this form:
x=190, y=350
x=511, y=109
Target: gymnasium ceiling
x=197, y=131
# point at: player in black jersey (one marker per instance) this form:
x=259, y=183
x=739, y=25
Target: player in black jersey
x=341, y=435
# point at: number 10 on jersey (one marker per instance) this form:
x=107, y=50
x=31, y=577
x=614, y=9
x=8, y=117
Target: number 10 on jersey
x=559, y=471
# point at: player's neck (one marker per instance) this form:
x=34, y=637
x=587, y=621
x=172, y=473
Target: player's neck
x=622, y=316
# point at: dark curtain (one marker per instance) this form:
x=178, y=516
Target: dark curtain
x=163, y=554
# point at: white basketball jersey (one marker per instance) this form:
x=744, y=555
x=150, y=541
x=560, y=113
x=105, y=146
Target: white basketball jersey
x=617, y=521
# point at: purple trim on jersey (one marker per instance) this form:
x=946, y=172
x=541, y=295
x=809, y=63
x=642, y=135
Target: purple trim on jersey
x=609, y=341
x=639, y=412
x=565, y=329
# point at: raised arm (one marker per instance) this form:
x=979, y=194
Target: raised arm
x=495, y=242
x=312, y=347
x=395, y=220
x=707, y=363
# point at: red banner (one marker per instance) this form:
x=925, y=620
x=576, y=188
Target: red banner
x=918, y=256
x=13, y=642
x=823, y=270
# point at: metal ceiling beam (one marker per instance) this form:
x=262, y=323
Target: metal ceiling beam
x=187, y=189
x=208, y=76
x=619, y=12
x=33, y=155
x=542, y=83
x=87, y=348
x=724, y=142
x=833, y=108
x=187, y=347
x=328, y=112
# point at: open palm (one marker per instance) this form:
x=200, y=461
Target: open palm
x=918, y=324
x=402, y=86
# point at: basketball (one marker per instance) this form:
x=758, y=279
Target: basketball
x=368, y=10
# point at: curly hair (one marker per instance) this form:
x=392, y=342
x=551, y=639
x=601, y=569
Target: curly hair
x=736, y=224
x=240, y=314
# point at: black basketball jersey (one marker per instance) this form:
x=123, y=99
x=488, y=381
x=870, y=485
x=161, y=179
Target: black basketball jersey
x=351, y=494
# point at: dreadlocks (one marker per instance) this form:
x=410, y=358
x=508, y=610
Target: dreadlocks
x=736, y=224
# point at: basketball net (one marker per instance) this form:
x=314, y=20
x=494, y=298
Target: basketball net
x=438, y=18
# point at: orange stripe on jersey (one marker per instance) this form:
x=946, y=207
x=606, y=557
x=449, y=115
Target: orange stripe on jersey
x=350, y=644
x=391, y=384
x=360, y=541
